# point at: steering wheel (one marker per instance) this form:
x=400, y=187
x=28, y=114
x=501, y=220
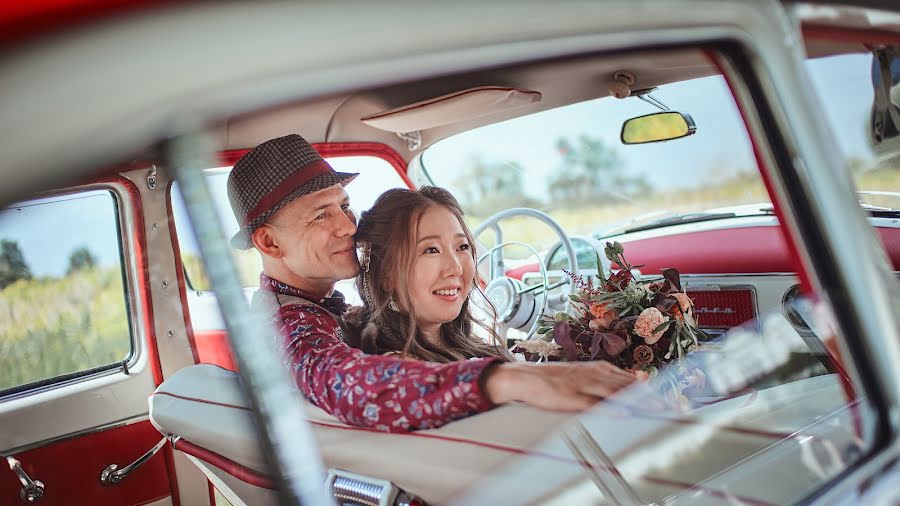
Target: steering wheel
x=516, y=303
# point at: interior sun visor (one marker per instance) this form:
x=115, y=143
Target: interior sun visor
x=452, y=108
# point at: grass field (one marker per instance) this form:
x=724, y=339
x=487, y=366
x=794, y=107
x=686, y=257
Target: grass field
x=55, y=326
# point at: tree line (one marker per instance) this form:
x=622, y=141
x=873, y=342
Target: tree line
x=13, y=266
x=589, y=171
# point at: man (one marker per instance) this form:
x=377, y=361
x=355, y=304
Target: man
x=293, y=209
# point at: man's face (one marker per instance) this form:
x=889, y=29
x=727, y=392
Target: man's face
x=315, y=235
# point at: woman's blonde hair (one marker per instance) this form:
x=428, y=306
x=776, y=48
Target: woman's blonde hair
x=387, y=235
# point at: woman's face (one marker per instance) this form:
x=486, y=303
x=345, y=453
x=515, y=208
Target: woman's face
x=442, y=271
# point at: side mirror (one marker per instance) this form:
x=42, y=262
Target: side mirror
x=885, y=100
x=660, y=126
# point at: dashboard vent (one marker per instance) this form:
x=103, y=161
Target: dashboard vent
x=723, y=307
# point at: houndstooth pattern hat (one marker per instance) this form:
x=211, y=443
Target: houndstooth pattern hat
x=270, y=176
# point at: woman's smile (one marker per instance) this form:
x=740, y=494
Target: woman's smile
x=450, y=294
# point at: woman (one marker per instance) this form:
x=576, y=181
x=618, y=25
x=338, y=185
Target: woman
x=418, y=274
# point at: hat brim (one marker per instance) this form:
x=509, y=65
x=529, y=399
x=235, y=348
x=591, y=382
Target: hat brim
x=241, y=240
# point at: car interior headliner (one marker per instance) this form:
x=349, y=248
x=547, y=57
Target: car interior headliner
x=109, y=92
x=337, y=118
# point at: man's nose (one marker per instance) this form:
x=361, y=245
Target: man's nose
x=346, y=225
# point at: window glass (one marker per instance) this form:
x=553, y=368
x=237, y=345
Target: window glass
x=757, y=398
x=375, y=177
x=62, y=295
x=845, y=85
x=570, y=163
x=584, y=252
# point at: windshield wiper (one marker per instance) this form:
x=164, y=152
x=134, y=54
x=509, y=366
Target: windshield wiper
x=680, y=219
x=881, y=212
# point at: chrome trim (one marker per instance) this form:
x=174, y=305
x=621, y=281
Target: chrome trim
x=32, y=490
x=72, y=435
x=357, y=491
x=112, y=475
x=151, y=178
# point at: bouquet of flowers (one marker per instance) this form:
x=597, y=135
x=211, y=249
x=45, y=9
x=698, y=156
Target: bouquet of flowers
x=638, y=325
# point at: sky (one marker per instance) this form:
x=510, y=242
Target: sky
x=49, y=230
x=720, y=142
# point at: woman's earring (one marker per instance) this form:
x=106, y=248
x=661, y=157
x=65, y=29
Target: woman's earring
x=393, y=305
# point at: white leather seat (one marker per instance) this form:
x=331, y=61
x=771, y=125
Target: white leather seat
x=204, y=406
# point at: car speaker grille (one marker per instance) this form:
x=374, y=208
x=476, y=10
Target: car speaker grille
x=723, y=308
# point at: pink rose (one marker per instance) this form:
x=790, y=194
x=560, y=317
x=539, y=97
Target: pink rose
x=647, y=321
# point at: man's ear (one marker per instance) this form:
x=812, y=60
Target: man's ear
x=264, y=240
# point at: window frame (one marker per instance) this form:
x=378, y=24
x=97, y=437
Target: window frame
x=124, y=201
x=782, y=162
x=328, y=150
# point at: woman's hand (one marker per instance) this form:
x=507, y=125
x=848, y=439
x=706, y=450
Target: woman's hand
x=555, y=386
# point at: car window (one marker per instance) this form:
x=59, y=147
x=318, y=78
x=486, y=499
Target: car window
x=569, y=163
x=62, y=294
x=845, y=87
x=758, y=398
x=375, y=177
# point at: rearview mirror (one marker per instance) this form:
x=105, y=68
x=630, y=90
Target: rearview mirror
x=660, y=126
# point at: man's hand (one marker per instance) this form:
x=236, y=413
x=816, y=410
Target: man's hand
x=555, y=386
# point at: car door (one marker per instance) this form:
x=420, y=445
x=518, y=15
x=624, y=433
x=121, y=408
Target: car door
x=78, y=346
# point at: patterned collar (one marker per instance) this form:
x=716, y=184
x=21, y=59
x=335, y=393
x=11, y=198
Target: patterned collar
x=334, y=304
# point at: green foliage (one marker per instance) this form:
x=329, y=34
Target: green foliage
x=590, y=171
x=55, y=326
x=81, y=258
x=12, y=263
x=485, y=187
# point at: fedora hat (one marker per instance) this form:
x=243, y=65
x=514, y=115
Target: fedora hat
x=270, y=176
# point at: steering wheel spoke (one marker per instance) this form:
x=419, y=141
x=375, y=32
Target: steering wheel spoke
x=520, y=306
x=539, y=288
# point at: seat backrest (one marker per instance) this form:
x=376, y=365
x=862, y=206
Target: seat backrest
x=203, y=406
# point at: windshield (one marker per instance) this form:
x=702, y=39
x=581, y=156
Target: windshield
x=570, y=163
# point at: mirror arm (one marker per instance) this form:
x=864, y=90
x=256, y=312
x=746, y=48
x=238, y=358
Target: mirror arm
x=650, y=99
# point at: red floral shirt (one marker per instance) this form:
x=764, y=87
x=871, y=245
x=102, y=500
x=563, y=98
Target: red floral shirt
x=382, y=392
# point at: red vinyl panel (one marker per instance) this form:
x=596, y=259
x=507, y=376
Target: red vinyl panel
x=213, y=347
x=70, y=469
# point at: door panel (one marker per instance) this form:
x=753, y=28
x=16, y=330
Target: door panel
x=65, y=419
x=70, y=469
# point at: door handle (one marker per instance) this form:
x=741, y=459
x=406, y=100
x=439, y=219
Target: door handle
x=32, y=490
x=112, y=475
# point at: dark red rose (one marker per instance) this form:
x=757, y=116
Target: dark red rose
x=618, y=280
x=643, y=355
